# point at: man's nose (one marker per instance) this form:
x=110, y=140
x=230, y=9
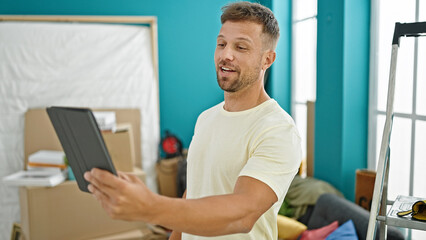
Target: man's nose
x=227, y=54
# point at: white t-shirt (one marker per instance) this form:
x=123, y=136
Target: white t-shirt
x=262, y=143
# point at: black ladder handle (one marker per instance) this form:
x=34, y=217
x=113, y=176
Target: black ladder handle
x=415, y=29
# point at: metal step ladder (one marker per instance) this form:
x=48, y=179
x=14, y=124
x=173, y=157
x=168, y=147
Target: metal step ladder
x=380, y=218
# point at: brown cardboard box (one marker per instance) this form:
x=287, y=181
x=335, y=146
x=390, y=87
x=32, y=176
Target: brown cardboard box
x=64, y=212
x=167, y=176
x=364, y=187
x=151, y=233
x=121, y=147
x=39, y=132
x=138, y=234
x=132, y=116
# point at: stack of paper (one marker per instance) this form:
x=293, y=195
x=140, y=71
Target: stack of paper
x=45, y=168
x=35, y=177
x=105, y=120
x=47, y=160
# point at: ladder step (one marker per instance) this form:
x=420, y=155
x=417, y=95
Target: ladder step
x=404, y=203
x=381, y=218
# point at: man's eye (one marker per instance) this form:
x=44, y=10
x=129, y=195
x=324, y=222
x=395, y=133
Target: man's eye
x=241, y=48
x=221, y=45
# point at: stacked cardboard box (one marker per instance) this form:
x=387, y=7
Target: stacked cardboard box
x=121, y=147
x=147, y=233
x=39, y=132
x=167, y=170
x=364, y=187
x=64, y=212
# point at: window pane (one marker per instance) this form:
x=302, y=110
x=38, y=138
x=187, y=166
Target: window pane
x=421, y=77
x=304, y=60
x=300, y=119
x=422, y=11
x=391, y=11
x=418, y=235
x=419, y=189
x=404, y=77
x=399, y=173
x=304, y=9
x=379, y=131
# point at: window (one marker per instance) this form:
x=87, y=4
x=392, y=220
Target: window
x=409, y=127
x=304, y=42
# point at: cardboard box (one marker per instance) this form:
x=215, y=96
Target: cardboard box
x=121, y=147
x=364, y=188
x=64, y=212
x=132, y=116
x=139, y=234
x=167, y=176
x=151, y=233
x=40, y=135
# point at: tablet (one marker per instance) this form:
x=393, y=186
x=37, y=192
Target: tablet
x=81, y=140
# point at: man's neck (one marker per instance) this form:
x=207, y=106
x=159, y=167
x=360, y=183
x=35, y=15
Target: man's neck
x=245, y=99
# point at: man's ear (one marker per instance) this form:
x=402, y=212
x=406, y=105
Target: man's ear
x=268, y=58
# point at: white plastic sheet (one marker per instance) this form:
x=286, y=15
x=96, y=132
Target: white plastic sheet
x=69, y=64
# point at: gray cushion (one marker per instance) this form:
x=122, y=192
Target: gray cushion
x=330, y=207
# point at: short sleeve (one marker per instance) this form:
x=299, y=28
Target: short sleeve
x=275, y=158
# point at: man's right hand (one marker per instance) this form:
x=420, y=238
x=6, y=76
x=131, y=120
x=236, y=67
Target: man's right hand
x=177, y=235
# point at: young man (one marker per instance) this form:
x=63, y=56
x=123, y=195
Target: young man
x=244, y=153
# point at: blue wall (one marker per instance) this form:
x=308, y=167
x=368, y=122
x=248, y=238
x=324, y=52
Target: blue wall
x=187, y=31
x=341, y=112
x=280, y=81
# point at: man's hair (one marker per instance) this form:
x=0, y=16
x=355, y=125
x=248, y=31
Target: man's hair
x=254, y=12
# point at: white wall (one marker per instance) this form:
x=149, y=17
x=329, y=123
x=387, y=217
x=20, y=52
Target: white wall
x=68, y=64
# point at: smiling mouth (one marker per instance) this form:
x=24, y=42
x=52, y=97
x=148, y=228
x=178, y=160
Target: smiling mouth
x=225, y=69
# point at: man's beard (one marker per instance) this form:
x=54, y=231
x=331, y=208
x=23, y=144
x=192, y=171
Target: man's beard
x=240, y=82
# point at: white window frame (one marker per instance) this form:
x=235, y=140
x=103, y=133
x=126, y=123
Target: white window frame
x=373, y=95
x=294, y=101
x=373, y=111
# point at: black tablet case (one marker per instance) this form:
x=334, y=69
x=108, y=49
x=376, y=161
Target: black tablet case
x=81, y=140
